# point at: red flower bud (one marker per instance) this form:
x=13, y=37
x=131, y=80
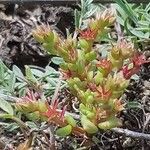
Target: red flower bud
x=52, y=111
x=127, y=73
x=101, y=92
x=88, y=34
x=105, y=66
x=139, y=59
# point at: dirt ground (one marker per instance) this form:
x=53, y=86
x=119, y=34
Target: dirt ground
x=17, y=45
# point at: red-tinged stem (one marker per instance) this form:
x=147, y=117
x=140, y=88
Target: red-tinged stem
x=78, y=131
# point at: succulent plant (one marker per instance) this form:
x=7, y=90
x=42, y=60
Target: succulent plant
x=98, y=83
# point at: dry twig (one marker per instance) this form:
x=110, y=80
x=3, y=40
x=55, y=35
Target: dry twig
x=132, y=134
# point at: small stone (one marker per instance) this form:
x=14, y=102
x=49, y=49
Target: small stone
x=2, y=144
x=147, y=84
x=147, y=92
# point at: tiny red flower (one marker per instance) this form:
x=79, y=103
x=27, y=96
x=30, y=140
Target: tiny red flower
x=52, y=111
x=88, y=34
x=102, y=92
x=105, y=66
x=139, y=59
x=29, y=97
x=31, y=103
x=127, y=73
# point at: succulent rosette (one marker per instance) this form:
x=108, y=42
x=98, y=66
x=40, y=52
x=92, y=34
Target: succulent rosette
x=98, y=83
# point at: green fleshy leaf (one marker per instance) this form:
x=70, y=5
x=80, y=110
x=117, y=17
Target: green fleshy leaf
x=49, y=38
x=64, y=131
x=90, y=56
x=112, y=122
x=70, y=120
x=83, y=44
x=88, y=126
x=33, y=116
x=49, y=47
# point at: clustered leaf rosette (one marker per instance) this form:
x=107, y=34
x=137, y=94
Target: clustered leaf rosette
x=66, y=123
x=32, y=106
x=98, y=83
x=37, y=109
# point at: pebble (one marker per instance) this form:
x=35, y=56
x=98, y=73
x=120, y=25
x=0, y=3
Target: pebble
x=147, y=84
x=147, y=92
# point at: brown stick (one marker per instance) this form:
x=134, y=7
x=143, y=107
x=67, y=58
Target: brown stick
x=132, y=134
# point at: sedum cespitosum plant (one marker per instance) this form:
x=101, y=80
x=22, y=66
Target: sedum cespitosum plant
x=97, y=82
